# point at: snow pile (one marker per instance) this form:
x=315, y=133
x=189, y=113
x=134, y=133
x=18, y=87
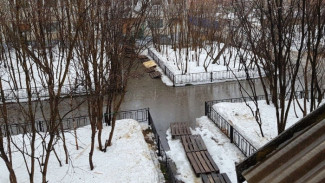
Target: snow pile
x=240, y=116
x=224, y=153
x=127, y=160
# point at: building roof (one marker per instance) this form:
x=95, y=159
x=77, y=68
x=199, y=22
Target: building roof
x=296, y=155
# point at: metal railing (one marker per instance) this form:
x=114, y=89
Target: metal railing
x=162, y=153
x=140, y=115
x=42, y=126
x=235, y=136
x=201, y=77
x=42, y=92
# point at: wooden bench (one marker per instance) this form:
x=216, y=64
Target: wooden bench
x=149, y=70
x=202, y=162
x=193, y=143
x=155, y=74
x=215, y=178
x=179, y=129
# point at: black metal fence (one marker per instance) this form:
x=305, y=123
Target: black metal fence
x=168, y=163
x=202, y=77
x=235, y=136
x=140, y=115
x=41, y=126
x=42, y=92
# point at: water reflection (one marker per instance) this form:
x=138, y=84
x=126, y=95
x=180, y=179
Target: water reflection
x=175, y=104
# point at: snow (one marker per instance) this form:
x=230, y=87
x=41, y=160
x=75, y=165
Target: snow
x=174, y=59
x=164, y=78
x=127, y=160
x=177, y=154
x=57, y=62
x=240, y=116
x=14, y=79
x=226, y=68
x=224, y=153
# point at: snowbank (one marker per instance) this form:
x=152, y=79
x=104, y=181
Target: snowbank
x=127, y=160
x=240, y=116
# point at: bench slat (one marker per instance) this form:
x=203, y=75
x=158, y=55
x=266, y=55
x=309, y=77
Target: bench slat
x=221, y=178
x=203, y=163
x=197, y=161
x=215, y=178
x=226, y=178
x=185, y=144
x=196, y=168
x=205, y=178
x=207, y=160
x=210, y=178
x=211, y=160
x=193, y=142
x=201, y=142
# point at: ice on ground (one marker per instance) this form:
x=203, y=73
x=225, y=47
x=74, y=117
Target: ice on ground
x=127, y=160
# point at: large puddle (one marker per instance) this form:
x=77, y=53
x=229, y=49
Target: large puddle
x=167, y=104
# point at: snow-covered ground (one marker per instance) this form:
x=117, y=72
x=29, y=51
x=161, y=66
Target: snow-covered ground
x=240, y=116
x=38, y=79
x=224, y=153
x=13, y=76
x=228, y=66
x=175, y=60
x=129, y=159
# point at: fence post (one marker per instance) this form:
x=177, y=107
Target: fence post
x=159, y=153
x=205, y=108
x=40, y=126
x=149, y=117
x=173, y=80
x=231, y=134
x=211, y=76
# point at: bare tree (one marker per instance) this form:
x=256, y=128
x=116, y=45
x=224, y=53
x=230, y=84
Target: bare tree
x=276, y=33
x=33, y=29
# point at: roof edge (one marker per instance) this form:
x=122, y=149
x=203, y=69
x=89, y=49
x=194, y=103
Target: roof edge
x=311, y=119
